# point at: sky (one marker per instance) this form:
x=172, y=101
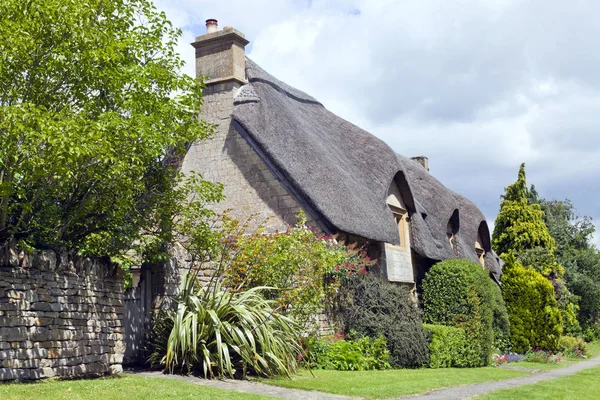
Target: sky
x=476, y=86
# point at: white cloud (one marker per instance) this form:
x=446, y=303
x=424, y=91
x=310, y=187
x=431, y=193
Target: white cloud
x=478, y=86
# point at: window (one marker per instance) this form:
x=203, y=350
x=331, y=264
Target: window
x=480, y=250
x=452, y=232
x=401, y=217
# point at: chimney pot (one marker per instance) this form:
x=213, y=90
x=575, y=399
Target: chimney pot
x=212, y=25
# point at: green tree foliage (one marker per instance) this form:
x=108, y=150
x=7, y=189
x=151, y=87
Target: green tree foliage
x=576, y=252
x=535, y=320
x=460, y=293
x=521, y=228
x=93, y=111
x=371, y=306
x=520, y=225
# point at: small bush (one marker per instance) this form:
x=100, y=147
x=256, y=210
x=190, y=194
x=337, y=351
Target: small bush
x=217, y=334
x=373, y=306
x=535, y=320
x=449, y=347
x=573, y=347
x=460, y=293
x=541, y=356
x=335, y=353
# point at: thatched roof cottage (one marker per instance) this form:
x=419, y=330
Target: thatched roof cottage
x=277, y=151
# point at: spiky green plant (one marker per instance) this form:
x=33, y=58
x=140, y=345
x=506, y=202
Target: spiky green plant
x=219, y=333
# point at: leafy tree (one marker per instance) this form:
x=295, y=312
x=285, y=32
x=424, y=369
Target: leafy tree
x=576, y=252
x=93, y=114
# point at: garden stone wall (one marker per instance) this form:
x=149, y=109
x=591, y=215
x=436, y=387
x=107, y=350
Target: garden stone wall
x=60, y=315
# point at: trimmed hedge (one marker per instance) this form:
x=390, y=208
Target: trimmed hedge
x=449, y=347
x=460, y=293
x=535, y=320
x=372, y=306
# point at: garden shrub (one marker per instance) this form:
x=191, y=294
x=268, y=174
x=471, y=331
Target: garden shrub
x=217, y=333
x=449, y=347
x=541, y=356
x=336, y=353
x=373, y=306
x=460, y=293
x=301, y=266
x=573, y=347
x=535, y=320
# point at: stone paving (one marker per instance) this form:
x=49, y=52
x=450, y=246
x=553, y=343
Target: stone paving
x=452, y=393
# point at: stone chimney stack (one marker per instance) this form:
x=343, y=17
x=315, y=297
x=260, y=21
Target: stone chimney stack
x=220, y=55
x=424, y=161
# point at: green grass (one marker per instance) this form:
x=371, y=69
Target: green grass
x=391, y=383
x=121, y=387
x=583, y=385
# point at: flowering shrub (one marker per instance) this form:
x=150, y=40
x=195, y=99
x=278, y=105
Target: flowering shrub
x=303, y=268
x=499, y=359
x=336, y=353
x=541, y=356
x=573, y=347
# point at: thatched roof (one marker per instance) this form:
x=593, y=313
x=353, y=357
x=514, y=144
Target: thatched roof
x=342, y=173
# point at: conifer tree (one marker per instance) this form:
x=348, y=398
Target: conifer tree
x=520, y=225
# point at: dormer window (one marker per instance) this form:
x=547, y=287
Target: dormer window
x=401, y=218
x=396, y=205
x=452, y=232
x=482, y=243
x=480, y=250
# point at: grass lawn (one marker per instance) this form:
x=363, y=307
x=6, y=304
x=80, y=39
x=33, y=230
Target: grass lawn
x=391, y=383
x=394, y=383
x=583, y=385
x=121, y=387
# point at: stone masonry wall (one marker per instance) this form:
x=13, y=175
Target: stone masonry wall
x=250, y=187
x=60, y=315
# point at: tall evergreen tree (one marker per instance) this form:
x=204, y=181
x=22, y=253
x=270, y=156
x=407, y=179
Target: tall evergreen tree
x=520, y=225
x=521, y=234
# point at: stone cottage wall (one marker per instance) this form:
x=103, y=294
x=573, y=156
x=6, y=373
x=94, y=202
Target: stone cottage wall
x=60, y=315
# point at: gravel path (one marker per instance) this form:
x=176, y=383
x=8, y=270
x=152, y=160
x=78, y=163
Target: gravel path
x=249, y=387
x=467, y=391
x=452, y=393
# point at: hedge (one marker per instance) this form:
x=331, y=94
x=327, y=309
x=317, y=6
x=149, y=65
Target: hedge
x=446, y=346
x=460, y=293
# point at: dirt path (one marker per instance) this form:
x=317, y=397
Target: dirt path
x=467, y=391
x=452, y=393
